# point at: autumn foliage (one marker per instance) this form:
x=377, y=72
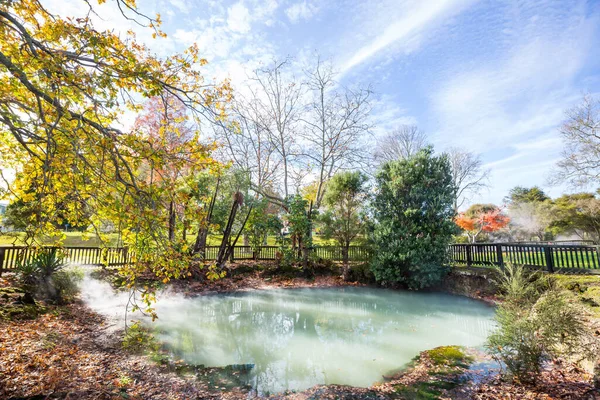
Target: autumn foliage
x=481, y=219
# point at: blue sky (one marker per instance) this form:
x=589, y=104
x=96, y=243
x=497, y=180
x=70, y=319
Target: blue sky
x=494, y=77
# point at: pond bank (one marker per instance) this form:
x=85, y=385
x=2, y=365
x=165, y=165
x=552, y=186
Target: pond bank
x=71, y=352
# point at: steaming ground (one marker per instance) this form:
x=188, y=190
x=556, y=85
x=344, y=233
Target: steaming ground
x=297, y=338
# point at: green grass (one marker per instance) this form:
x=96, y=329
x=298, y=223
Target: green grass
x=577, y=260
x=76, y=239
x=72, y=239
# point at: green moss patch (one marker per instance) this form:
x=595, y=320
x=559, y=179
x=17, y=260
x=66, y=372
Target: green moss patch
x=449, y=355
x=585, y=288
x=433, y=374
x=426, y=390
x=15, y=304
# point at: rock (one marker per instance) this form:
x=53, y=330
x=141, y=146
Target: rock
x=27, y=299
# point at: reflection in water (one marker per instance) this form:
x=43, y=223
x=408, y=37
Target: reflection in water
x=297, y=338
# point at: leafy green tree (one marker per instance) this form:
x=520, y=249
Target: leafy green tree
x=520, y=194
x=263, y=221
x=344, y=199
x=577, y=214
x=530, y=210
x=413, y=210
x=300, y=225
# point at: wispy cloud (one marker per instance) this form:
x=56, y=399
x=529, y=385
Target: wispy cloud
x=414, y=18
x=521, y=93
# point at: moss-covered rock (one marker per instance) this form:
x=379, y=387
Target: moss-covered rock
x=433, y=373
x=450, y=356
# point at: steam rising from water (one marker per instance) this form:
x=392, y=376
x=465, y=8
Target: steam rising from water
x=297, y=338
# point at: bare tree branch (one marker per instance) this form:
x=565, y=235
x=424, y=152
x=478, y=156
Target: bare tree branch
x=401, y=143
x=468, y=175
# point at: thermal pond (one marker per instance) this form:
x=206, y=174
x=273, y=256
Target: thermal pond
x=297, y=338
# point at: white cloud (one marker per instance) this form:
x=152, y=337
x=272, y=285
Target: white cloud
x=521, y=94
x=299, y=11
x=414, y=18
x=238, y=18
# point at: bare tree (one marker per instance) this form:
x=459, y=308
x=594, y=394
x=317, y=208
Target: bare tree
x=580, y=164
x=468, y=175
x=262, y=140
x=402, y=143
x=277, y=97
x=334, y=125
x=249, y=146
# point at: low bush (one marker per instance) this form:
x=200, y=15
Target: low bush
x=46, y=276
x=537, y=322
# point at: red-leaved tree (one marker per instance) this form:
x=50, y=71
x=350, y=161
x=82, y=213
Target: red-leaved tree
x=481, y=218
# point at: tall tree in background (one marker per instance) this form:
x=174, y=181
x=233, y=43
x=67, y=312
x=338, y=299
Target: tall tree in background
x=292, y=130
x=250, y=145
x=580, y=164
x=578, y=214
x=165, y=125
x=63, y=88
x=468, y=175
x=414, y=220
x=276, y=96
x=335, y=125
x=531, y=211
x=400, y=144
x=344, y=201
x=520, y=194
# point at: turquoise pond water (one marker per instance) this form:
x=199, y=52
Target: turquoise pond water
x=297, y=338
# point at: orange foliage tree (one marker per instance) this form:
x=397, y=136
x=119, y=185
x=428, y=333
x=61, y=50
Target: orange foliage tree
x=481, y=218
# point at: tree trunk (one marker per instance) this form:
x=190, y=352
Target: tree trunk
x=223, y=249
x=231, y=248
x=200, y=243
x=171, y=221
x=345, y=261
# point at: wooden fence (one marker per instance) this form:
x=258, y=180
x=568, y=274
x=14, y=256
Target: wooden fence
x=334, y=253
x=551, y=257
x=114, y=256
x=111, y=256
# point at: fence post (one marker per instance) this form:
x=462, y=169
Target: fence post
x=469, y=255
x=549, y=258
x=499, y=256
x=2, y=255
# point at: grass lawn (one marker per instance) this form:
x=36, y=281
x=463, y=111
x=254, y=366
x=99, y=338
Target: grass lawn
x=75, y=239
x=579, y=258
x=72, y=239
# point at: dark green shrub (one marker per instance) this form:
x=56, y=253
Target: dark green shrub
x=413, y=220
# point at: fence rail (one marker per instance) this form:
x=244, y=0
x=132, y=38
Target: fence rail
x=114, y=256
x=551, y=257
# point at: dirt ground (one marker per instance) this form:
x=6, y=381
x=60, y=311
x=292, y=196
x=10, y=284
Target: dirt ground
x=69, y=352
